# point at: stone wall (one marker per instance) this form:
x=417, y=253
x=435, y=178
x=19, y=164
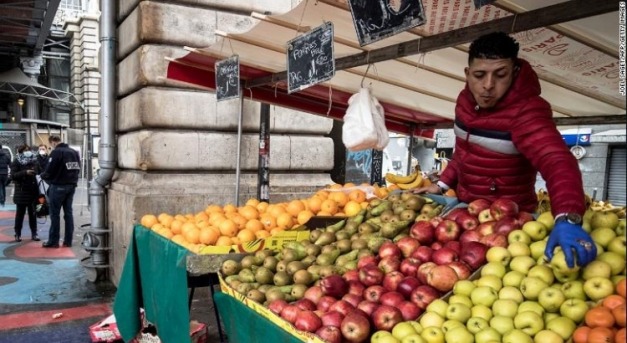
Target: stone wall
x=177, y=146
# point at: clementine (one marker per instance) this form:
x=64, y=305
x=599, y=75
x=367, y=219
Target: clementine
x=599, y=316
x=148, y=220
x=601, y=335
x=619, y=312
x=581, y=334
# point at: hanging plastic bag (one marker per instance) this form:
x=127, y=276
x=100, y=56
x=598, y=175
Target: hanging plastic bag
x=378, y=116
x=364, y=123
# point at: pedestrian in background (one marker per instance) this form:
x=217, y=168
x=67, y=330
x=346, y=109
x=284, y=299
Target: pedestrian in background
x=62, y=174
x=42, y=156
x=23, y=170
x=5, y=161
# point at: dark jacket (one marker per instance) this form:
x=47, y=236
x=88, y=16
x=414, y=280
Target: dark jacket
x=26, y=188
x=5, y=161
x=499, y=151
x=43, y=162
x=64, y=166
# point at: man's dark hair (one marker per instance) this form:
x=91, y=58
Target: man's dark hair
x=54, y=138
x=495, y=45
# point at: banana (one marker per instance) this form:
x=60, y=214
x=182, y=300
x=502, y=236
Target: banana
x=414, y=184
x=393, y=178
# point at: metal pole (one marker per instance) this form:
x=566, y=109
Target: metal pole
x=263, y=180
x=410, y=148
x=239, y=147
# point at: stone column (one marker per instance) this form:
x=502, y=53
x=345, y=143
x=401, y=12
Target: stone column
x=32, y=67
x=177, y=146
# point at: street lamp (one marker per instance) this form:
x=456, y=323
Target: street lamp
x=20, y=102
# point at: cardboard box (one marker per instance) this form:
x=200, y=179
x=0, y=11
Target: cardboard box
x=198, y=333
x=105, y=330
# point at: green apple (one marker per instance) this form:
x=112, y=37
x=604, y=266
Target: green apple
x=604, y=219
x=547, y=336
x=574, y=290
x=574, y=309
x=383, y=337
x=463, y=287
x=459, y=299
x=415, y=338
x=531, y=287
x=459, y=312
x=517, y=336
x=402, y=330
x=558, y=263
x=438, y=306
x=451, y=324
x=616, y=261
x=459, y=334
x=491, y=281
x=498, y=254
x=547, y=219
x=600, y=248
x=522, y=264
x=603, y=236
x=548, y=316
x=562, y=326
x=518, y=236
x=597, y=269
x=598, y=288
x=618, y=245
x=513, y=278
x=494, y=268
x=433, y=334
x=519, y=249
x=484, y=295
x=416, y=326
x=542, y=272
x=502, y=324
x=487, y=335
x=531, y=306
x=511, y=293
x=537, y=249
x=431, y=319
x=621, y=229
x=505, y=308
x=481, y=311
x=476, y=324
x=535, y=229
x=551, y=299
x=529, y=322
x=566, y=277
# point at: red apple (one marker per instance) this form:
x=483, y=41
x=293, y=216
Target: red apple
x=332, y=318
x=385, y=317
x=352, y=275
x=495, y=240
x=368, y=306
x=467, y=221
x=305, y=304
x=435, y=221
x=308, y=321
x=313, y=293
x=423, y=295
x=436, y=246
x=290, y=313
x=423, y=231
x=485, y=216
x=407, y=285
x=506, y=225
x=355, y=327
x=423, y=254
x=374, y=293
x=486, y=228
x=408, y=245
x=473, y=254
x=423, y=271
x=409, y=266
x=367, y=260
x=371, y=275
x=524, y=217
x=442, y=278
x=409, y=310
x=455, y=213
x=461, y=269
x=325, y=302
x=503, y=207
x=352, y=299
x=389, y=249
x=447, y=230
x=470, y=236
x=392, y=299
x=276, y=306
x=444, y=256
x=475, y=207
x=392, y=279
x=334, y=285
x=330, y=334
x=356, y=287
x=390, y=264
x=454, y=245
x=341, y=306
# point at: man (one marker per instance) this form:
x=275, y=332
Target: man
x=5, y=162
x=504, y=136
x=62, y=174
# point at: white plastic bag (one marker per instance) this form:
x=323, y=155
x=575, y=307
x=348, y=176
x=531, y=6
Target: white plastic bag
x=364, y=123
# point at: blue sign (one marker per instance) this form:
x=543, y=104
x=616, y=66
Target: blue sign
x=577, y=136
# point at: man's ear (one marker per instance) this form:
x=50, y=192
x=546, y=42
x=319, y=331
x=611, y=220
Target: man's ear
x=466, y=71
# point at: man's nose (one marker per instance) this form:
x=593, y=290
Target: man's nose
x=488, y=82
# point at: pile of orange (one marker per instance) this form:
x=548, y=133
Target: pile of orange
x=605, y=322
x=227, y=225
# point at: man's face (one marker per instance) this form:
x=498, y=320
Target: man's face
x=489, y=79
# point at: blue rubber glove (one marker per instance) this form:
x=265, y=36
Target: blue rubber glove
x=571, y=237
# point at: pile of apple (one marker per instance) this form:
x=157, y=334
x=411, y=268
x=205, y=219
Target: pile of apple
x=520, y=297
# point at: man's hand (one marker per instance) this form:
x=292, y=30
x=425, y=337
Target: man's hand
x=432, y=188
x=571, y=237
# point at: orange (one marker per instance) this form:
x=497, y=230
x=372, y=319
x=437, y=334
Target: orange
x=619, y=312
x=276, y=210
x=314, y=203
x=426, y=182
x=175, y=226
x=261, y=234
x=601, y=335
x=201, y=216
x=180, y=218
x=239, y=221
x=450, y=193
x=213, y=208
x=252, y=202
x=322, y=194
x=186, y=227
x=235, y=240
x=224, y=241
x=229, y=208
x=349, y=184
x=620, y=288
x=294, y=207
x=304, y=217
x=202, y=223
x=329, y=206
x=216, y=218
x=166, y=233
x=249, y=212
x=253, y=225
x=228, y=228
x=285, y=221
x=165, y=219
x=393, y=187
x=324, y=214
x=581, y=334
x=178, y=239
x=276, y=230
x=357, y=195
x=339, y=197
x=208, y=236
x=352, y=208
x=246, y=236
x=340, y=214
x=599, y=316
x=262, y=207
x=192, y=236
x=157, y=227
x=613, y=300
x=268, y=221
x=148, y=220
x=335, y=186
x=620, y=336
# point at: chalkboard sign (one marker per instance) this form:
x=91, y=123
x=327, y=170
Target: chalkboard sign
x=227, y=78
x=377, y=19
x=310, y=58
x=364, y=166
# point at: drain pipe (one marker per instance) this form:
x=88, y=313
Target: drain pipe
x=96, y=240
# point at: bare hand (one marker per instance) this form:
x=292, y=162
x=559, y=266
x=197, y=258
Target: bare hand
x=30, y=172
x=432, y=188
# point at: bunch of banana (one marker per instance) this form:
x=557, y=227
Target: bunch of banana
x=413, y=180
x=604, y=206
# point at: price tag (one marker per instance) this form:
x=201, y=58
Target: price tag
x=227, y=78
x=310, y=58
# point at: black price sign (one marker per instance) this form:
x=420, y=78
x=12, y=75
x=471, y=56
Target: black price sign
x=227, y=78
x=378, y=19
x=310, y=58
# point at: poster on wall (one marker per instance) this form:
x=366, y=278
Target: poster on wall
x=227, y=78
x=378, y=19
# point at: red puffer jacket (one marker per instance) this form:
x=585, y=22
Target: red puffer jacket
x=499, y=151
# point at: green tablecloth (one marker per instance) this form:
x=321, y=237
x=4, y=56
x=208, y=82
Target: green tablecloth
x=155, y=278
x=243, y=325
